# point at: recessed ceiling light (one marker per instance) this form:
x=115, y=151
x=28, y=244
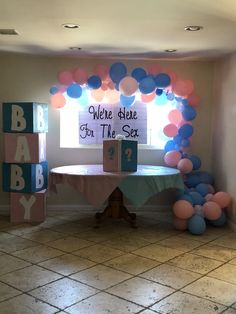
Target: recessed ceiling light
x=193, y=28
x=71, y=25
x=170, y=50
x=75, y=48
x=8, y=31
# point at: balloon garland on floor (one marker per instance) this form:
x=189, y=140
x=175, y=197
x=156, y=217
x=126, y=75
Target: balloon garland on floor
x=198, y=203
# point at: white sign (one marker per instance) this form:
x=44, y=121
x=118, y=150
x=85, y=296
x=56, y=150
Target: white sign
x=104, y=121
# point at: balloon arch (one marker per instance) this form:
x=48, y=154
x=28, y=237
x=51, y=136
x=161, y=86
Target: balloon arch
x=198, y=203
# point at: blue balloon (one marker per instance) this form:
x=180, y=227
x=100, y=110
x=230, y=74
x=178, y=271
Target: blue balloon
x=184, y=101
x=117, y=72
x=187, y=198
x=196, y=224
x=159, y=91
x=205, y=177
x=197, y=198
x=189, y=113
x=74, y=90
x=53, y=90
x=177, y=139
x=185, y=142
x=127, y=101
x=147, y=85
x=162, y=80
x=185, y=131
x=196, y=161
x=202, y=188
x=192, y=180
x=221, y=221
x=170, y=145
x=170, y=96
x=139, y=74
x=94, y=82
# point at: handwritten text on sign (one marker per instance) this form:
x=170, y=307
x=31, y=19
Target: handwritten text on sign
x=104, y=121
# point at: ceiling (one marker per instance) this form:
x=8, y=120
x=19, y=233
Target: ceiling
x=125, y=28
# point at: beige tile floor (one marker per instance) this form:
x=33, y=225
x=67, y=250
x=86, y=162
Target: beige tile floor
x=65, y=265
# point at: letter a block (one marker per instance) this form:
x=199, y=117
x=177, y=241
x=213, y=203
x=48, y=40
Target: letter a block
x=24, y=148
x=25, y=117
x=24, y=178
x=119, y=155
x=28, y=207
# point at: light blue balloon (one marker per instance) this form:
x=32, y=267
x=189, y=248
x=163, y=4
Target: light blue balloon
x=83, y=100
x=74, y=90
x=196, y=224
x=161, y=100
x=170, y=96
x=127, y=101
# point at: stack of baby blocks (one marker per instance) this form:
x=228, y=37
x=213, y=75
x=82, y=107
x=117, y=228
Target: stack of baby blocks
x=25, y=168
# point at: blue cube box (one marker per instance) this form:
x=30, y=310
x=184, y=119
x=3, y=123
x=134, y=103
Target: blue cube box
x=120, y=155
x=25, y=117
x=24, y=178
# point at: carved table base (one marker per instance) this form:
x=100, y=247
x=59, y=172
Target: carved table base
x=116, y=209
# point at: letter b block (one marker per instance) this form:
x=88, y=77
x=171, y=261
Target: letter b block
x=25, y=117
x=24, y=178
x=28, y=207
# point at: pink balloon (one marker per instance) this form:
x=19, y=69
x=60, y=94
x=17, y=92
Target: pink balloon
x=148, y=97
x=111, y=85
x=98, y=94
x=113, y=96
x=104, y=86
x=102, y=71
x=170, y=130
x=208, y=197
x=183, y=88
x=58, y=100
x=128, y=86
x=194, y=100
x=80, y=76
x=180, y=224
x=185, y=165
x=65, y=77
x=183, y=209
x=154, y=69
x=172, y=158
x=212, y=210
x=189, y=86
x=223, y=199
x=175, y=116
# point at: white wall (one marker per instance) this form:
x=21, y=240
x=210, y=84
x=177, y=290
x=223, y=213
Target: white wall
x=224, y=129
x=28, y=78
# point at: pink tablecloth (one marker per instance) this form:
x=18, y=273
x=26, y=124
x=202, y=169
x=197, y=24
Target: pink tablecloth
x=96, y=185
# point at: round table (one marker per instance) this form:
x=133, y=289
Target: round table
x=98, y=186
